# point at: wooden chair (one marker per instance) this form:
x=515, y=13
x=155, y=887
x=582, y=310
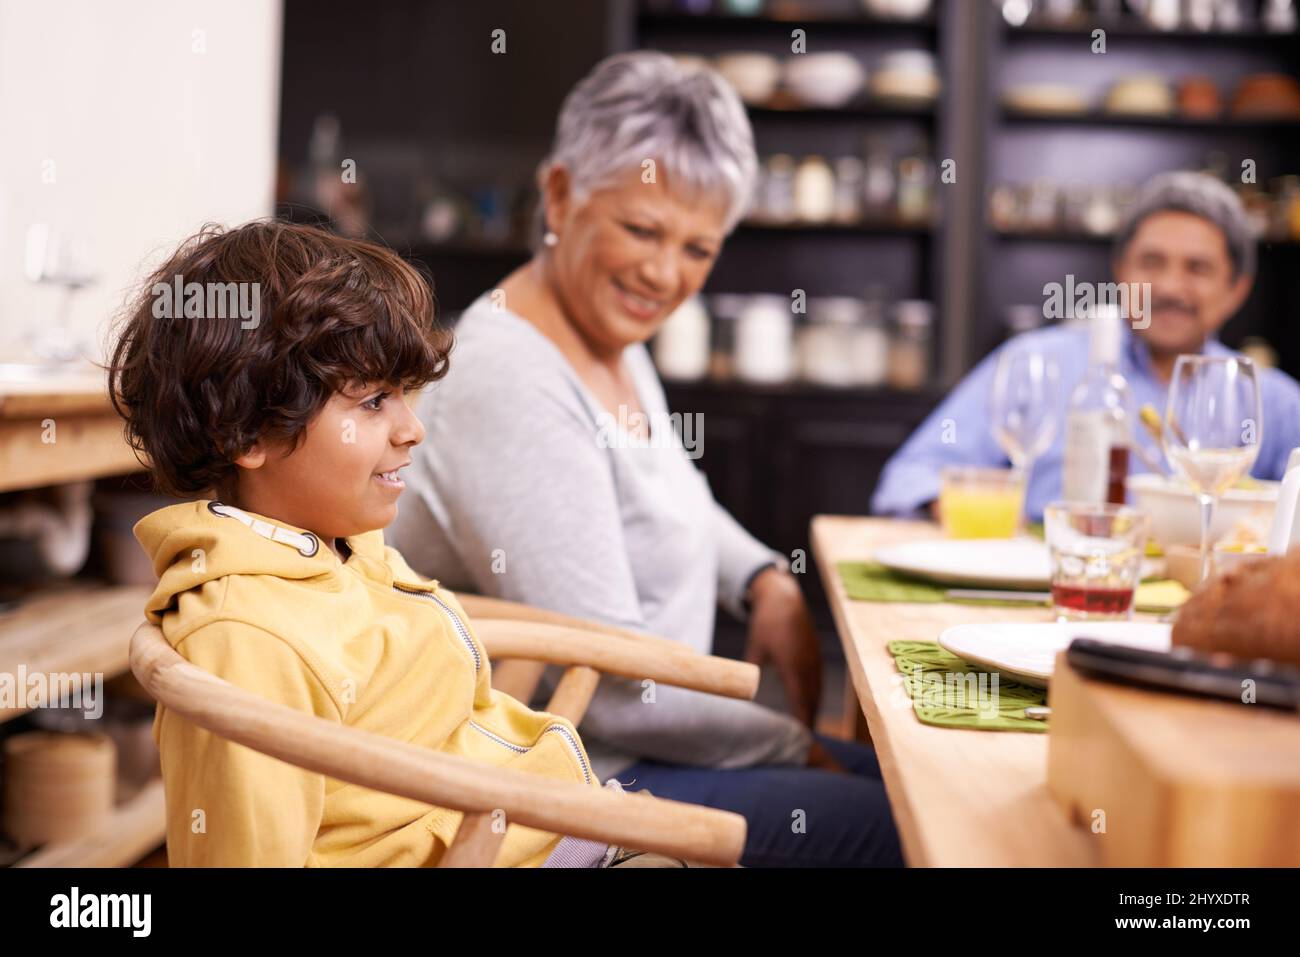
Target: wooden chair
x=526, y=639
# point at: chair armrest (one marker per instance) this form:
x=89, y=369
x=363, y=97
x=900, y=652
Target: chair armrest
x=384, y=764
x=612, y=653
x=481, y=606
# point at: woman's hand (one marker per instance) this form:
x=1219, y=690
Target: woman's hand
x=781, y=633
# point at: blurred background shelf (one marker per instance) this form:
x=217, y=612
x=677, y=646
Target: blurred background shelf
x=71, y=627
x=136, y=827
x=1265, y=246
x=1156, y=122
x=1132, y=28
x=774, y=23
x=865, y=109
x=869, y=228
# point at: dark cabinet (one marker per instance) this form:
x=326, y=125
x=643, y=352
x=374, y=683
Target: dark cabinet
x=777, y=456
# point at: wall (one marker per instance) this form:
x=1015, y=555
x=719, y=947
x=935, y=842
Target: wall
x=125, y=126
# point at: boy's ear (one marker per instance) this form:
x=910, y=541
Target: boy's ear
x=254, y=458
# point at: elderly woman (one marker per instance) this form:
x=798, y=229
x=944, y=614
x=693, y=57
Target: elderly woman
x=532, y=487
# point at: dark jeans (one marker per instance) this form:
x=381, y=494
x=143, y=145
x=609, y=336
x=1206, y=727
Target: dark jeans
x=845, y=819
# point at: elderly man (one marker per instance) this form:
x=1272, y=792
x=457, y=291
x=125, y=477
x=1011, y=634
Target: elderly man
x=1187, y=236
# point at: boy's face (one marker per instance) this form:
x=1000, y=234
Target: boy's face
x=331, y=484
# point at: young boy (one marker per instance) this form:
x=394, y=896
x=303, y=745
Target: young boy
x=295, y=413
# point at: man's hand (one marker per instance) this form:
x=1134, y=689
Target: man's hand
x=781, y=633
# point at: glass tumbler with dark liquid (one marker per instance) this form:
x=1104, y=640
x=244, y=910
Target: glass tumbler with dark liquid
x=1096, y=551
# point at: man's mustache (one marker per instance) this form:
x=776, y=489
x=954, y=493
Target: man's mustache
x=1173, y=305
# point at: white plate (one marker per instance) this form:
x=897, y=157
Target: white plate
x=981, y=562
x=1027, y=651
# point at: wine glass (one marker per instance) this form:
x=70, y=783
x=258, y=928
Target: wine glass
x=1213, y=425
x=1025, y=404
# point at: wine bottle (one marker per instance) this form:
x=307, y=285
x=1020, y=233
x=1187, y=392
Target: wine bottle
x=1099, y=419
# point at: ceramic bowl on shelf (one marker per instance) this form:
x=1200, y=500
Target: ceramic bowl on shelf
x=906, y=76
x=1057, y=99
x=824, y=80
x=1198, y=98
x=1267, y=96
x=897, y=9
x=1142, y=94
x=754, y=76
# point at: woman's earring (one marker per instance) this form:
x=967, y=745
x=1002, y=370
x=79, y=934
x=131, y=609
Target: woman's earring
x=550, y=239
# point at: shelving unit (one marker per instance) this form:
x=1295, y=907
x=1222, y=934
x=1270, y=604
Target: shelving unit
x=84, y=627
x=1098, y=147
x=1131, y=27
x=781, y=21
x=136, y=827
x=1154, y=122
x=860, y=110
x=71, y=627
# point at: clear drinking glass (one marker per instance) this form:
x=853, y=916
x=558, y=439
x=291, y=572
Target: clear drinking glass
x=1096, y=551
x=1212, y=429
x=1025, y=403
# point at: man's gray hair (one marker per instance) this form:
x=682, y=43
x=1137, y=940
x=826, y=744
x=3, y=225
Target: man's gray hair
x=644, y=105
x=1203, y=196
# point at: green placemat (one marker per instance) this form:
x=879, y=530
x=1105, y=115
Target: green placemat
x=870, y=581
x=951, y=693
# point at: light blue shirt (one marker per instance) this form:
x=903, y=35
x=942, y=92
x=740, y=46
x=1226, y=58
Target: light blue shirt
x=958, y=433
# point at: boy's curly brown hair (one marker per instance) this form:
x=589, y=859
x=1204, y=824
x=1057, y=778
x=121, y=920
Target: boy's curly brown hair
x=196, y=393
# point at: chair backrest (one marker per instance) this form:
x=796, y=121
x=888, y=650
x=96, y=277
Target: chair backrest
x=700, y=834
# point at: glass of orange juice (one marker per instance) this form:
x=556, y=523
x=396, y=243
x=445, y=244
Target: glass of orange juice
x=977, y=502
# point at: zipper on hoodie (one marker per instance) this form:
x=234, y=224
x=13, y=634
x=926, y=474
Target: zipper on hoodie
x=461, y=630
x=455, y=620
x=559, y=729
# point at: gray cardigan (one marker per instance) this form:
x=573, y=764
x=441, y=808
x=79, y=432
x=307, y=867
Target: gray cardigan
x=526, y=488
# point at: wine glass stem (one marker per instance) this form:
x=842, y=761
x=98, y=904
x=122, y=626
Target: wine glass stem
x=1207, y=511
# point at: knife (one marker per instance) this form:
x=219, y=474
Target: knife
x=984, y=594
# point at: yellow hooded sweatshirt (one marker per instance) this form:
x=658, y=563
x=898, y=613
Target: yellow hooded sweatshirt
x=366, y=642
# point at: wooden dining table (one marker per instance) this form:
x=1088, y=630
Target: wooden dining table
x=960, y=797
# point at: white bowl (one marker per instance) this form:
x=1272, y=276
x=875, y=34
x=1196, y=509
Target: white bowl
x=753, y=76
x=827, y=80
x=1176, y=515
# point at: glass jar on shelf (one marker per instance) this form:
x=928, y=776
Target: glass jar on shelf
x=870, y=346
x=1039, y=205
x=776, y=204
x=726, y=309
x=849, y=179
x=909, y=350
x=764, y=340
x=879, y=185
x=681, y=348
x=1101, y=217
x=826, y=340
x=814, y=190
x=915, y=189
x=1074, y=207
x=1004, y=208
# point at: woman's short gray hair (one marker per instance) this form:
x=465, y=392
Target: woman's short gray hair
x=1201, y=195
x=645, y=105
